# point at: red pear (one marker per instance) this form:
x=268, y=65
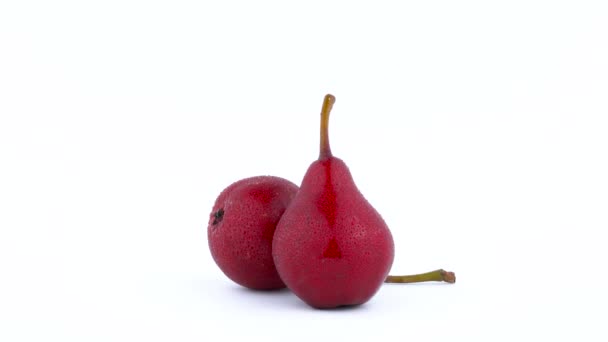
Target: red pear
x=331, y=247
x=241, y=228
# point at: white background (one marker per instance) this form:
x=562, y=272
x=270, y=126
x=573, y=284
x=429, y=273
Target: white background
x=478, y=129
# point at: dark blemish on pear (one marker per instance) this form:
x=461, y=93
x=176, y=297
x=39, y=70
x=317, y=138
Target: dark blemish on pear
x=218, y=216
x=263, y=196
x=332, y=250
x=327, y=201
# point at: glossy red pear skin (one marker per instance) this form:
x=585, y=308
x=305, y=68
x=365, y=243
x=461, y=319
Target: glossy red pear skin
x=331, y=247
x=240, y=235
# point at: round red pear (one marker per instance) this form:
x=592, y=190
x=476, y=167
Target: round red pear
x=241, y=228
x=331, y=247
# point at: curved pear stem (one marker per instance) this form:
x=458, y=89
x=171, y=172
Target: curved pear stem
x=328, y=103
x=437, y=275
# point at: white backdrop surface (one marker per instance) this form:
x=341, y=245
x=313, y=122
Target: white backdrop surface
x=477, y=129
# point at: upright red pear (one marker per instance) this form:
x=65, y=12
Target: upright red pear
x=331, y=247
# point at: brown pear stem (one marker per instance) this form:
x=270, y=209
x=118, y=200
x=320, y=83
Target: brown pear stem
x=437, y=275
x=324, y=150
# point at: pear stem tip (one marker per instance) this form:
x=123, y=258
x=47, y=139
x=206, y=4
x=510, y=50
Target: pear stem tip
x=448, y=277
